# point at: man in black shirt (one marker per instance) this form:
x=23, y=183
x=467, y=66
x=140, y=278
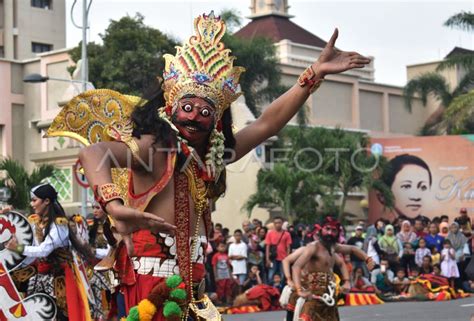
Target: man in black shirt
x=358, y=241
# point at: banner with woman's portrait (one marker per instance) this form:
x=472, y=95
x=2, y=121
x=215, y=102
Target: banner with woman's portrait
x=429, y=176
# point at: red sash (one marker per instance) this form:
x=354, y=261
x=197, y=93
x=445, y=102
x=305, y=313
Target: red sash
x=182, y=214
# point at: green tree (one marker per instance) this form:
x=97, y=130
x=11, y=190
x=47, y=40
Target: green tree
x=291, y=190
x=261, y=81
x=130, y=57
x=464, y=21
x=20, y=182
x=458, y=119
x=322, y=166
x=435, y=84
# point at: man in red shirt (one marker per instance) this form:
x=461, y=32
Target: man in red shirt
x=277, y=248
x=420, y=228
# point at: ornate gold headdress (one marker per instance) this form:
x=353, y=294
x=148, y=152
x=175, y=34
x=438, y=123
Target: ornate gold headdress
x=203, y=67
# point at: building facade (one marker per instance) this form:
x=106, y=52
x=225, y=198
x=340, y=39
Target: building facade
x=352, y=100
x=26, y=112
x=29, y=27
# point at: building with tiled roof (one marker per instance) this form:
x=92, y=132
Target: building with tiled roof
x=279, y=28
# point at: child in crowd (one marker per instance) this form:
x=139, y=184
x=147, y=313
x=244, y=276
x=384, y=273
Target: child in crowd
x=222, y=273
x=414, y=274
x=401, y=282
x=449, y=268
x=347, y=261
x=253, y=278
x=408, y=257
x=437, y=270
x=421, y=252
x=359, y=282
x=277, y=282
x=238, y=257
x=435, y=256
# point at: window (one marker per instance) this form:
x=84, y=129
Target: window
x=62, y=181
x=43, y=4
x=2, y=52
x=40, y=47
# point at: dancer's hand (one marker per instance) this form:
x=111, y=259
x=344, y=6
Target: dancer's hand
x=128, y=220
x=346, y=287
x=334, y=61
x=12, y=244
x=268, y=264
x=304, y=294
x=6, y=209
x=290, y=283
x=370, y=263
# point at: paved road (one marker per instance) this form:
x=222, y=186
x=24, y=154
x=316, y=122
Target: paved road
x=455, y=310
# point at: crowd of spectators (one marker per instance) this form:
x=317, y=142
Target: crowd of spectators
x=402, y=251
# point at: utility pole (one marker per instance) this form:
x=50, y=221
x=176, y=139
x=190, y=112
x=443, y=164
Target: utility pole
x=86, y=4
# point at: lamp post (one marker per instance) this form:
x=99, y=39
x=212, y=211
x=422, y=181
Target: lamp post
x=37, y=78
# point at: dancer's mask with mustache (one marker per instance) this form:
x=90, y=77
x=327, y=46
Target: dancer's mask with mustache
x=203, y=68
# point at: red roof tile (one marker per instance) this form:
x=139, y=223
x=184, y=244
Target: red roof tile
x=278, y=28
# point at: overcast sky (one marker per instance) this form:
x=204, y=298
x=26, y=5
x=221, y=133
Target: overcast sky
x=396, y=33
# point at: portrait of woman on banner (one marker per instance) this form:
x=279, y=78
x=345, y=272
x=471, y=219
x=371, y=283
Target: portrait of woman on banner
x=410, y=180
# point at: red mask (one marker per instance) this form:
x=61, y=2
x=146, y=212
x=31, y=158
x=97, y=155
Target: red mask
x=194, y=118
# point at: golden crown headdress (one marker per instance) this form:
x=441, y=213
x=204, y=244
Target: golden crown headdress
x=203, y=67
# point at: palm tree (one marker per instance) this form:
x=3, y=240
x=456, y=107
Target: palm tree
x=291, y=190
x=435, y=84
x=458, y=119
x=20, y=182
x=464, y=21
x=307, y=185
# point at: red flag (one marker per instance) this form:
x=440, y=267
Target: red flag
x=7, y=283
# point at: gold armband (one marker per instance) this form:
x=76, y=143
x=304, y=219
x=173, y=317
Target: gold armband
x=106, y=193
x=307, y=79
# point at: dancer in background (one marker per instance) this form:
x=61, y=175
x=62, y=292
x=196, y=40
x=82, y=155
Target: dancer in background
x=319, y=259
x=58, y=275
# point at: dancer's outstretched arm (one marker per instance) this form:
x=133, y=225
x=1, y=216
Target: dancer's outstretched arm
x=280, y=111
x=354, y=250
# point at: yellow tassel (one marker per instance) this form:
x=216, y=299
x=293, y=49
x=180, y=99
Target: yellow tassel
x=34, y=218
x=146, y=310
x=61, y=220
x=77, y=218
